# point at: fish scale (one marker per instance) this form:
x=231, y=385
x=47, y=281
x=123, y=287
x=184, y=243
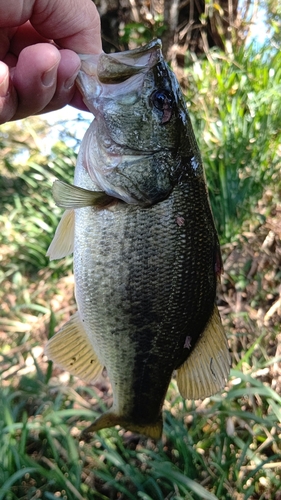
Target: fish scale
x=154, y=260
x=146, y=251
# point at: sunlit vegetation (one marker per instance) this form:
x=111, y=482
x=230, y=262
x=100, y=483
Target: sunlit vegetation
x=225, y=447
x=236, y=110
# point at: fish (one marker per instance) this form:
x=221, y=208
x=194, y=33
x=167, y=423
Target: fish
x=146, y=253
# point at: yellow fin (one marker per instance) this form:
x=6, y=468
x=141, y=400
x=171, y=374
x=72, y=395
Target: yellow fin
x=205, y=372
x=71, y=350
x=62, y=243
x=68, y=196
x=110, y=419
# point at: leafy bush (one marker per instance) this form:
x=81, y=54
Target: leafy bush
x=29, y=215
x=235, y=106
x=28, y=220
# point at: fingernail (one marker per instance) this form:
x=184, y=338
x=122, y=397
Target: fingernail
x=71, y=80
x=49, y=77
x=4, y=86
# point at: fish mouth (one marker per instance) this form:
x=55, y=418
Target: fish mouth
x=118, y=67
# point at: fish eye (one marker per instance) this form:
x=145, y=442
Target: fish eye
x=161, y=99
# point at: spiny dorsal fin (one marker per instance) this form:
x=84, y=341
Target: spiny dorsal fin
x=205, y=371
x=72, y=351
x=63, y=241
x=68, y=196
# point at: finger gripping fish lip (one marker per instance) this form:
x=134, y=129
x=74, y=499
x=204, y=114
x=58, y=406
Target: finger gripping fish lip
x=118, y=67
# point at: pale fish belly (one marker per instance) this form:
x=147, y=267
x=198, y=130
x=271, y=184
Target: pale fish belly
x=144, y=282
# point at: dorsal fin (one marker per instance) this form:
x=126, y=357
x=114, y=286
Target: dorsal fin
x=205, y=371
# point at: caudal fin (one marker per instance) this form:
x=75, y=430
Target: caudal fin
x=110, y=419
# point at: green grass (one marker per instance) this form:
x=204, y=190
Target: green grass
x=235, y=106
x=29, y=214
x=226, y=447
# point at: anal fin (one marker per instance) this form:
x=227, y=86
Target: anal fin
x=63, y=241
x=72, y=351
x=205, y=371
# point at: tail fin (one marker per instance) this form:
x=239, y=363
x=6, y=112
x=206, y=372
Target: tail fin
x=110, y=419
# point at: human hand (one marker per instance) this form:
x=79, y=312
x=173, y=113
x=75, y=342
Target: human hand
x=39, y=42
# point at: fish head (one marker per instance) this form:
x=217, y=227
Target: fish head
x=142, y=131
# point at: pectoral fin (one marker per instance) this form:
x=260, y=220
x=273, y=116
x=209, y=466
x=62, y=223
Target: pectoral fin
x=62, y=243
x=68, y=196
x=72, y=351
x=205, y=371
x=110, y=419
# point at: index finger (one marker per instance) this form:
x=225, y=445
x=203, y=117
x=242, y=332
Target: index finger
x=71, y=24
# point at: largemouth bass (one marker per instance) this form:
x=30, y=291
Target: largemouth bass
x=146, y=251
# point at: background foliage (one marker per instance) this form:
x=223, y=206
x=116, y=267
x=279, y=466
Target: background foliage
x=225, y=447
x=235, y=103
